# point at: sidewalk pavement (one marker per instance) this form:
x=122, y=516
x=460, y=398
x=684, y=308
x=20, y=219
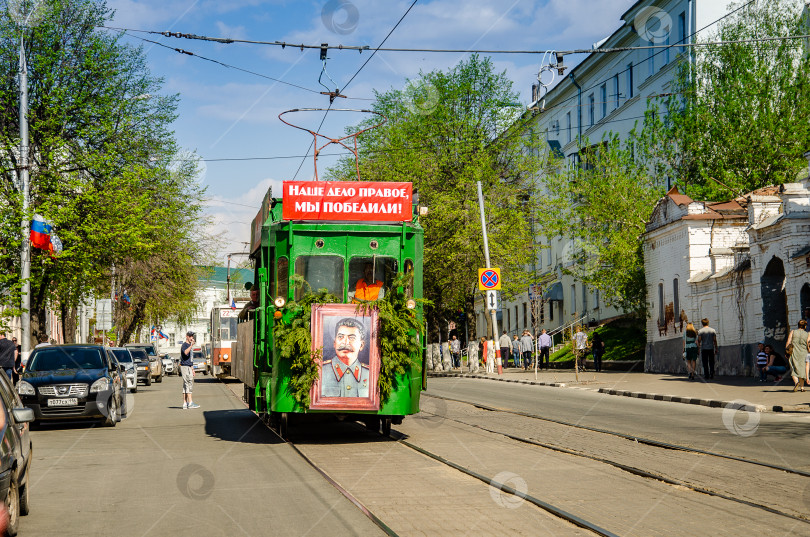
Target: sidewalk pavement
x=745, y=393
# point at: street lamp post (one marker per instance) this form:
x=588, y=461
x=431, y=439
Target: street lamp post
x=25, y=253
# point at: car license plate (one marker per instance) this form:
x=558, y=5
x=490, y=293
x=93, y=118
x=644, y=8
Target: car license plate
x=68, y=401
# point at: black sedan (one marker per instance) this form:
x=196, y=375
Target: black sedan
x=73, y=382
x=15, y=455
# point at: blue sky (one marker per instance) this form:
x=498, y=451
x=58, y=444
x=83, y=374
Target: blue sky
x=228, y=114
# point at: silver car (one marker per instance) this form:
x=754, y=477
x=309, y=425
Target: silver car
x=125, y=358
x=168, y=365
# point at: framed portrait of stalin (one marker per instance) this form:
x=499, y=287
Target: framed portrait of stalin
x=350, y=363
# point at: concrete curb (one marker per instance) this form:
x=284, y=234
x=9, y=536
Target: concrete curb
x=714, y=403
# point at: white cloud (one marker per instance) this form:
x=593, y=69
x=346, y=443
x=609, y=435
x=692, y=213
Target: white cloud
x=232, y=216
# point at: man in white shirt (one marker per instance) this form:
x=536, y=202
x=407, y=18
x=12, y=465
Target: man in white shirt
x=581, y=344
x=544, y=342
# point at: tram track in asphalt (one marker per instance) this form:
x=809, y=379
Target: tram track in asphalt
x=554, y=510
x=639, y=439
x=398, y=438
x=627, y=468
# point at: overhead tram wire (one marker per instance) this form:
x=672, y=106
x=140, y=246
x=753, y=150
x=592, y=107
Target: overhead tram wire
x=302, y=46
x=352, y=78
x=227, y=65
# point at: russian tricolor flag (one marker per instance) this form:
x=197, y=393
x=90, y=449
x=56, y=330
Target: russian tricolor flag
x=233, y=304
x=40, y=233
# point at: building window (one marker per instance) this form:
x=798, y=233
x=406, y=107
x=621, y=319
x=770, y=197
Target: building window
x=573, y=298
x=630, y=81
x=517, y=319
x=675, y=300
x=603, y=96
x=650, y=60
x=682, y=30
x=596, y=299
x=591, y=109
x=661, y=313
x=616, y=91
x=542, y=312
x=525, y=316
x=506, y=325
x=666, y=52
x=584, y=299
x=551, y=311
x=548, y=259
x=568, y=125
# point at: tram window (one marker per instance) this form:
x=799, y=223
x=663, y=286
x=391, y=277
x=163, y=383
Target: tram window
x=385, y=269
x=409, y=270
x=282, y=273
x=320, y=271
x=227, y=325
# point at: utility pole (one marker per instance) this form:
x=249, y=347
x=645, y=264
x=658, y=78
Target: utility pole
x=488, y=265
x=25, y=251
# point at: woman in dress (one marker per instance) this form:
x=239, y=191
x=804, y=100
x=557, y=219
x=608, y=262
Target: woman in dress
x=799, y=339
x=690, y=349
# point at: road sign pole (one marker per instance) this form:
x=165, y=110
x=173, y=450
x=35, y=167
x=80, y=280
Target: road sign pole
x=486, y=258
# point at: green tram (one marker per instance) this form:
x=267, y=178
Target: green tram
x=332, y=239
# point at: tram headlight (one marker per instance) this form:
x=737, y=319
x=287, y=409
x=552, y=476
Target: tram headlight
x=279, y=302
x=410, y=304
x=277, y=314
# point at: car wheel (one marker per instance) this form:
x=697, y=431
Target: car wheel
x=25, y=502
x=159, y=379
x=134, y=389
x=112, y=414
x=149, y=380
x=13, y=508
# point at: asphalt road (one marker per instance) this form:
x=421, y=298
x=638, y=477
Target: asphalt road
x=774, y=438
x=166, y=471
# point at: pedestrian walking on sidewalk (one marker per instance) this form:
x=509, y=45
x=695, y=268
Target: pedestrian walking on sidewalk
x=797, y=343
x=690, y=349
x=707, y=342
x=581, y=344
x=455, y=351
x=544, y=342
x=187, y=370
x=506, y=348
x=526, y=344
x=776, y=364
x=762, y=362
x=598, y=346
x=516, y=350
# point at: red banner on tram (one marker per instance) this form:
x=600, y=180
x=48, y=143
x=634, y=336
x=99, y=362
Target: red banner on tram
x=347, y=201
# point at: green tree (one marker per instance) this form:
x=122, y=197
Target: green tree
x=600, y=209
x=738, y=120
x=101, y=150
x=446, y=131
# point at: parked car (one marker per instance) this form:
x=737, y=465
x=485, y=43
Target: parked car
x=168, y=365
x=73, y=382
x=15, y=455
x=142, y=367
x=155, y=364
x=124, y=356
x=200, y=363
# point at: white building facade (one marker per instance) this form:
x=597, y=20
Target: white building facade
x=743, y=264
x=604, y=94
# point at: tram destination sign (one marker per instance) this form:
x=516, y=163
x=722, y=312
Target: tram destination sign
x=347, y=201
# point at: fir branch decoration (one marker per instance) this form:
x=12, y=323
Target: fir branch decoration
x=293, y=337
x=397, y=333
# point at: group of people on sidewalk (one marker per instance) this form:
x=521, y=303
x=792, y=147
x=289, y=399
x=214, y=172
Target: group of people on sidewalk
x=522, y=350
x=768, y=360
